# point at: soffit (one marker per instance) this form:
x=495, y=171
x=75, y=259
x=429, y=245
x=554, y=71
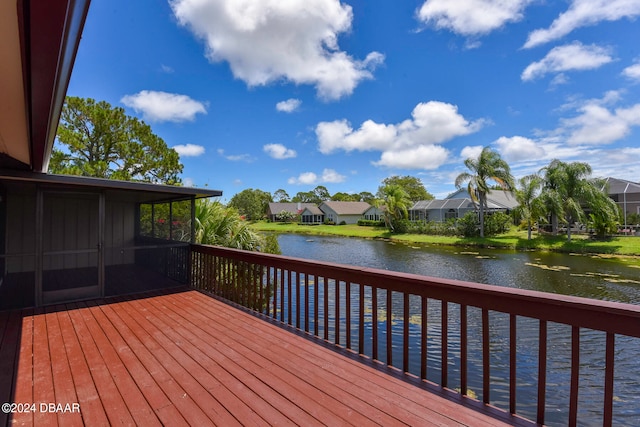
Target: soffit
x=14, y=139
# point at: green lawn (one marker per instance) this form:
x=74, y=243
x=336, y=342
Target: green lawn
x=627, y=246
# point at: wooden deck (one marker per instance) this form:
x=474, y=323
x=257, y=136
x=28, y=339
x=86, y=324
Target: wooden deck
x=184, y=358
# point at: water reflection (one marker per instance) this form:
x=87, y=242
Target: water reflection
x=558, y=273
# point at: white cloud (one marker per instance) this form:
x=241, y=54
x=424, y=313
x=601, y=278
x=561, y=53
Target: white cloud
x=471, y=152
x=189, y=150
x=632, y=72
x=163, y=106
x=279, y=151
x=597, y=125
x=426, y=157
x=411, y=144
x=519, y=148
x=583, y=13
x=309, y=178
x=331, y=176
x=306, y=178
x=236, y=157
x=288, y=106
x=471, y=17
x=574, y=56
x=166, y=69
x=269, y=40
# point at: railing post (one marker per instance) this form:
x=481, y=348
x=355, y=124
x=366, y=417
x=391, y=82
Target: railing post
x=486, y=358
x=389, y=329
x=444, y=340
x=608, y=379
x=542, y=371
x=374, y=322
x=463, y=350
x=336, y=304
x=575, y=373
x=512, y=362
x=405, y=334
x=347, y=304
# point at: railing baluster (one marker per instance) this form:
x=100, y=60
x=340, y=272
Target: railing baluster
x=389, y=331
x=261, y=283
x=463, y=349
x=281, y=281
x=512, y=362
x=608, y=379
x=315, y=304
x=405, y=334
x=486, y=358
x=235, y=272
x=275, y=292
x=326, y=308
x=347, y=306
x=336, y=320
x=298, y=276
x=289, y=301
x=212, y=273
x=306, y=302
x=444, y=340
x=374, y=322
x=575, y=374
x=423, y=337
x=361, y=320
x=542, y=371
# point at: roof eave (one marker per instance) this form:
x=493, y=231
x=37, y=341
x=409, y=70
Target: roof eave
x=50, y=35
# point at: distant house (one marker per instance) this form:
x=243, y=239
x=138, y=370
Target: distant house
x=440, y=210
x=458, y=204
x=349, y=212
x=308, y=213
x=626, y=194
x=374, y=213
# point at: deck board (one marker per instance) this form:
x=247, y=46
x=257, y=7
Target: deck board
x=185, y=358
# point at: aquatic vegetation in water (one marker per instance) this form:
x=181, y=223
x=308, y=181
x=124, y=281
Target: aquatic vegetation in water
x=610, y=280
x=548, y=267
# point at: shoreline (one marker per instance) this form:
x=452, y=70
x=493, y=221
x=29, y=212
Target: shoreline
x=614, y=247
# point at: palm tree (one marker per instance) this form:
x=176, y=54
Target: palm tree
x=552, y=189
x=222, y=226
x=489, y=166
x=530, y=206
x=568, y=187
x=605, y=213
x=396, y=202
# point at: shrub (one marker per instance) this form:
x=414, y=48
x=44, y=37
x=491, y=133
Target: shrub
x=343, y=223
x=497, y=223
x=401, y=226
x=370, y=223
x=468, y=225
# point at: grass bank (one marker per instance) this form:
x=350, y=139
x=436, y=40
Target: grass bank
x=516, y=240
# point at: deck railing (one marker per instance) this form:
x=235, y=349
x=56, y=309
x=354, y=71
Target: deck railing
x=443, y=331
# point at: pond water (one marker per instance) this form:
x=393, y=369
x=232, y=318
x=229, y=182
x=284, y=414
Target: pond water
x=578, y=275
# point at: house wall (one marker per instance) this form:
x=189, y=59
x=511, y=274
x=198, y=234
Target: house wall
x=19, y=230
x=348, y=219
x=70, y=223
x=119, y=232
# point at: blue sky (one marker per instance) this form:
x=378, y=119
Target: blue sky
x=276, y=94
